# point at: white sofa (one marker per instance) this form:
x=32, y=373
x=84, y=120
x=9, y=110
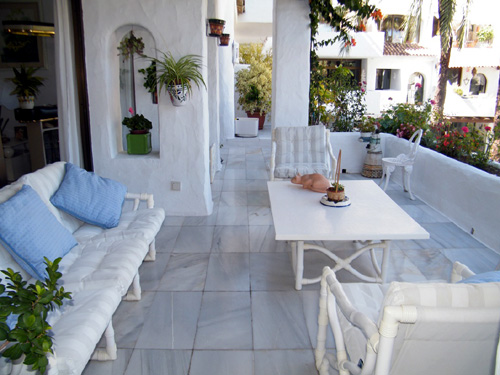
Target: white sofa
x=98, y=271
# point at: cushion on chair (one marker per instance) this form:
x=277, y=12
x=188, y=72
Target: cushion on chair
x=90, y=198
x=300, y=150
x=30, y=232
x=487, y=277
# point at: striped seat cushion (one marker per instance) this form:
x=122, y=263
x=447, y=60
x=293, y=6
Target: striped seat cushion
x=300, y=150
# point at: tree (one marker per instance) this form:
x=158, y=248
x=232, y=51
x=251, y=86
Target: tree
x=447, y=9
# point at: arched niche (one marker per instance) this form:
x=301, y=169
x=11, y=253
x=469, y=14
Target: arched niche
x=415, y=89
x=133, y=94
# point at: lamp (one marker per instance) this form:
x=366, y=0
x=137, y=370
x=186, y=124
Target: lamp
x=29, y=28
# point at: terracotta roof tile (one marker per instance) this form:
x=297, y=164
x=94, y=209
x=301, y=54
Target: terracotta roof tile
x=406, y=49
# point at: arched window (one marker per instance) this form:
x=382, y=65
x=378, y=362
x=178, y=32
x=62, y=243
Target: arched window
x=415, y=89
x=477, y=84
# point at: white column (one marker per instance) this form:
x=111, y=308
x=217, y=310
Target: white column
x=291, y=41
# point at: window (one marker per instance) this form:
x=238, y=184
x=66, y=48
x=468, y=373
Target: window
x=353, y=65
x=415, y=89
x=393, y=26
x=477, y=84
x=454, y=75
x=383, y=80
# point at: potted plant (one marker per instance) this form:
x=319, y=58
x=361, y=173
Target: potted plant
x=336, y=192
x=139, y=138
x=150, y=80
x=24, y=330
x=178, y=76
x=216, y=26
x=27, y=86
x=130, y=45
x=224, y=39
x=366, y=127
x=485, y=35
x=255, y=83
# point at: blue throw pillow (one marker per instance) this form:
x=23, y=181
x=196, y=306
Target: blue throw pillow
x=487, y=277
x=90, y=198
x=30, y=232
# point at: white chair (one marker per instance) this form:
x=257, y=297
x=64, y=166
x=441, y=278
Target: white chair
x=403, y=160
x=409, y=328
x=302, y=149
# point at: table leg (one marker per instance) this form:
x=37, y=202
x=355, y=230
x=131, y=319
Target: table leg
x=299, y=271
x=385, y=260
x=293, y=245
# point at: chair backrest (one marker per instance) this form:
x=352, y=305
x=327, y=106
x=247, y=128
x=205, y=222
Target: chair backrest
x=414, y=143
x=439, y=328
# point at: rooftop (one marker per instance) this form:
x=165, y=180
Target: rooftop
x=220, y=297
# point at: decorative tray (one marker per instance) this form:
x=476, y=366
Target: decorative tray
x=343, y=203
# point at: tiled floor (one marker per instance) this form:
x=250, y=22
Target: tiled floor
x=220, y=300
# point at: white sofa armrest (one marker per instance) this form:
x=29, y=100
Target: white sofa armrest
x=138, y=197
x=460, y=272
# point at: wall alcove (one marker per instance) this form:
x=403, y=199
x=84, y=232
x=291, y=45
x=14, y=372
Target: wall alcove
x=133, y=94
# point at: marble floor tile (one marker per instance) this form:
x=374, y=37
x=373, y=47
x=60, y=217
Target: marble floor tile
x=165, y=362
x=228, y=272
x=235, y=174
x=258, y=198
x=235, y=163
x=203, y=220
x=171, y=321
x=278, y=321
x=185, y=272
x=257, y=174
x=262, y=240
x=448, y=235
x=431, y=262
x=225, y=321
x=150, y=273
x=233, y=198
x=237, y=215
x=256, y=185
x=256, y=165
x=478, y=260
x=166, y=237
x=234, y=185
x=289, y=362
x=271, y=271
x=173, y=220
x=259, y=215
x=310, y=303
x=194, y=239
x=231, y=239
x=116, y=367
x=402, y=198
x=222, y=362
x=217, y=183
x=424, y=214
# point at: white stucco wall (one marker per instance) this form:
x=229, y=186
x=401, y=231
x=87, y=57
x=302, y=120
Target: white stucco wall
x=291, y=41
x=353, y=151
x=179, y=27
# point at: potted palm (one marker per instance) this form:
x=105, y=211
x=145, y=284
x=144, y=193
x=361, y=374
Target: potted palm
x=178, y=76
x=139, y=138
x=27, y=86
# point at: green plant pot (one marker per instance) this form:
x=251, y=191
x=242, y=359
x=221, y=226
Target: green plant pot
x=138, y=144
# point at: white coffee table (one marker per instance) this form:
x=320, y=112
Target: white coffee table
x=373, y=218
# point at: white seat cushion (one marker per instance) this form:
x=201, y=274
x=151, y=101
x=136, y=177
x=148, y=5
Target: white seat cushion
x=100, y=264
x=289, y=170
x=143, y=224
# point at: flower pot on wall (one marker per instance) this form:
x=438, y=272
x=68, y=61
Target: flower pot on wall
x=224, y=39
x=261, y=118
x=178, y=94
x=138, y=144
x=216, y=26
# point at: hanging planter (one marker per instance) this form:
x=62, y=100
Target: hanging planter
x=178, y=94
x=216, y=26
x=224, y=39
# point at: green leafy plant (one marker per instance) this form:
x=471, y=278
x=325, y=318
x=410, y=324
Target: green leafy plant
x=417, y=115
x=185, y=71
x=29, y=304
x=255, y=83
x=485, y=34
x=137, y=122
x=368, y=124
x=337, y=186
x=149, y=77
x=27, y=84
x=129, y=45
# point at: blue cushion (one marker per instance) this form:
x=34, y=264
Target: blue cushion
x=487, y=277
x=30, y=231
x=90, y=198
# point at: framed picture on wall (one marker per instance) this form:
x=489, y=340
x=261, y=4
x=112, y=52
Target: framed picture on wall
x=16, y=50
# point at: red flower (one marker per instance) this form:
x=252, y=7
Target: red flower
x=131, y=111
x=353, y=42
x=487, y=128
x=362, y=27
x=465, y=129
x=418, y=85
x=446, y=143
x=377, y=15
x=433, y=102
x=447, y=136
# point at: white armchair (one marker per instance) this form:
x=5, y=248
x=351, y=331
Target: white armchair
x=302, y=149
x=409, y=328
x=403, y=160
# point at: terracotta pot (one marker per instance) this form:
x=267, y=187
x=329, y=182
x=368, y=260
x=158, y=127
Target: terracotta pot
x=224, y=40
x=216, y=26
x=261, y=118
x=334, y=196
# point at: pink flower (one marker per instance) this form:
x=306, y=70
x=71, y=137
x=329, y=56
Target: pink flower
x=131, y=111
x=364, y=82
x=433, y=102
x=487, y=128
x=465, y=129
x=362, y=90
x=418, y=85
x=389, y=98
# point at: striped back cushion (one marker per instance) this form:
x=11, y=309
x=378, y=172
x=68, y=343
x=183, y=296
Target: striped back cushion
x=443, y=295
x=302, y=145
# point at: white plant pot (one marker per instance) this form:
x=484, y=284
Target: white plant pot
x=178, y=95
x=365, y=136
x=26, y=102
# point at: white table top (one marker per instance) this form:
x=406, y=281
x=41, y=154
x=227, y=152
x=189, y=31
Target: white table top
x=373, y=215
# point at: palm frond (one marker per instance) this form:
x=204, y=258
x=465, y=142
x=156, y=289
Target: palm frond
x=462, y=29
x=447, y=10
x=414, y=19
